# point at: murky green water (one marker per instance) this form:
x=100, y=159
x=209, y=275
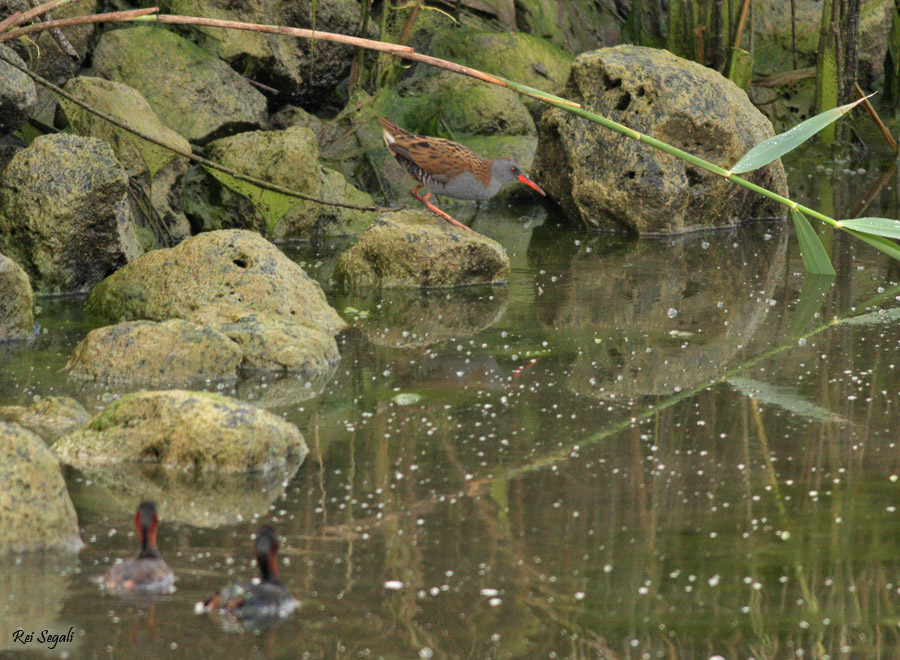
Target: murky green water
x=667, y=449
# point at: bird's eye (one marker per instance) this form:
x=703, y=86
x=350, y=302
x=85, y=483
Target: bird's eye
x=514, y=169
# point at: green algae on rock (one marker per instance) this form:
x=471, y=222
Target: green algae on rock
x=418, y=249
x=183, y=430
x=64, y=214
x=16, y=302
x=160, y=171
x=36, y=512
x=193, y=92
x=173, y=352
x=50, y=417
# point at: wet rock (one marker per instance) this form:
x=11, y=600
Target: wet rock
x=181, y=430
x=64, y=213
x=16, y=302
x=286, y=158
x=18, y=94
x=336, y=220
x=575, y=26
x=606, y=181
x=463, y=106
x=50, y=418
x=191, y=91
x=418, y=249
x=224, y=279
x=35, y=510
x=209, y=500
x=159, y=171
x=174, y=352
x=276, y=345
x=213, y=277
x=300, y=73
x=518, y=56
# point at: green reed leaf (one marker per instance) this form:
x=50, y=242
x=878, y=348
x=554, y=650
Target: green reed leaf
x=776, y=147
x=271, y=204
x=879, y=243
x=878, y=226
x=814, y=256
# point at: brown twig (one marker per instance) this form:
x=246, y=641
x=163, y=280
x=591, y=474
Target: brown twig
x=885, y=131
x=12, y=19
x=186, y=154
x=742, y=20
x=26, y=16
x=77, y=20
x=281, y=29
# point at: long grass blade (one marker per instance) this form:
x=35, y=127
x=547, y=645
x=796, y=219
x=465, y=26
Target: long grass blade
x=814, y=256
x=776, y=147
x=878, y=226
x=879, y=243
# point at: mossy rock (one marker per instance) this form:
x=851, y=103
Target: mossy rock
x=159, y=169
x=64, y=214
x=50, y=417
x=277, y=345
x=418, y=249
x=16, y=302
x=212, y=278
x=521, y=57
x=182, y=430
x=36, y=512
x=18, y=94
x=193, y=92
x=174, y=352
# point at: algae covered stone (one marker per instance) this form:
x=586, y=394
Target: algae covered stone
x=174, y=352
x=182, y=430
x=36, y=512
x=50, y=417
x=64, y=214
x=214, y=277
x=18, y=95
x=159, y=170
x=193, y=92
x=277, y=345
x=606, y=181
x=16, y=302
x=418, y=249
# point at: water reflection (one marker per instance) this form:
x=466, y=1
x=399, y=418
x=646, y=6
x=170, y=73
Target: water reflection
x=572, y=471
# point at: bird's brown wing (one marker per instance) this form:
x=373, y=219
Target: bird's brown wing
x=439, y=159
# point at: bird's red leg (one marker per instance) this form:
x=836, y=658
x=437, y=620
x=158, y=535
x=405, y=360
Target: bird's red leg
x=446, y=216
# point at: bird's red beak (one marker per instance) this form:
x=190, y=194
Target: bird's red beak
x=531, y=184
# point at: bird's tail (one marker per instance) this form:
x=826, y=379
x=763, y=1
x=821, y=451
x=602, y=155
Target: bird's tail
x=391, y=131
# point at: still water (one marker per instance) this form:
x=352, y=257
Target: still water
x=674, y=448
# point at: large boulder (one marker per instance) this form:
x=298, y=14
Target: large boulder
x=418, y=249
x=215, y=276
x=50, y=417
x=181, y=430
x=302, y=72
x=18, y=95
x=239, y=284
x=160, y=172
x=287, y=158
x=192, y=91
x=64, y=214
x=174, y=352
x=36, y=512
x=16, y=302
x=606, y=181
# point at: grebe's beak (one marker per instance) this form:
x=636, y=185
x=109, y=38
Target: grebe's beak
x=531, y=184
